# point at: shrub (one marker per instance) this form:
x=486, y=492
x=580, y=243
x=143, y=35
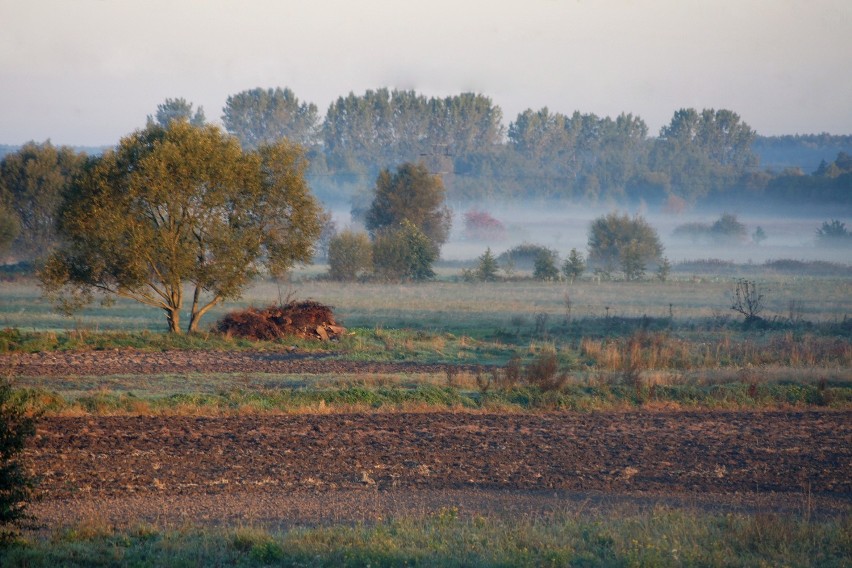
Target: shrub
x=487, y=268
x=350, y=255
x=16, y=486
x=545, y=265
x=523, y=256
x=747, y=300
x=693, y=231
x=726, y=228
x=833, y=233
x=543, y=372
x=404, y=253
x=574, y=265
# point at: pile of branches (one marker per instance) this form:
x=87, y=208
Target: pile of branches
x=307, y=320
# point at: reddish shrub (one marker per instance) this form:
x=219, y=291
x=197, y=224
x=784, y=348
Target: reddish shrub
x=480, y=226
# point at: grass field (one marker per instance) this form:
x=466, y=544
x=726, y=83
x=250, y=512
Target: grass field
x=476, y=309
x=659, y=537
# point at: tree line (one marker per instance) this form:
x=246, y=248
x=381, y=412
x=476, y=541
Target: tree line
x=699, y=154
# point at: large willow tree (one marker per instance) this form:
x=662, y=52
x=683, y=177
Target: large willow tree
x=179, y=211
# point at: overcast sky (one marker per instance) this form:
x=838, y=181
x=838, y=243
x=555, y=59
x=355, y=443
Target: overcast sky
x=86, y=72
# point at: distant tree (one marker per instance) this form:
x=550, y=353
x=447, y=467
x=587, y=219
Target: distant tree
x=728, y=228
x=480, y=226
x=694, y=231
x=614, y=235
x=833, y=233
x=544, y=137
x=523, y=256
x=703, y=151
x=411, y=194
x=664, y=269
x=327, y=232
x=179, y=207
x=16, y=485
x=350, y=255
x=32, y=181
x=260, y=116
x=467, y=123
x=574, y=265
x=177, y=109
x=9, y=229
x=632, y=261
x=545, y=266
x=364, y=133
x=758, y=236
x=486, y=269
x=582, y=153
x=403, y=252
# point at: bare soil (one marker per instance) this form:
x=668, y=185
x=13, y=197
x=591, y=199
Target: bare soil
x=326, y=467
x=137, y=362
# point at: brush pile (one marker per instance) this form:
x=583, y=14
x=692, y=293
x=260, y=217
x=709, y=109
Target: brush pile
x=307, y=320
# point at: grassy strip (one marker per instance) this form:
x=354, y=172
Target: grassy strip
x=661, y=537
x=432, y=397
x=650, y=350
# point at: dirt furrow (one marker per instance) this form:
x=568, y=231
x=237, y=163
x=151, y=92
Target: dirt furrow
x=673, y=452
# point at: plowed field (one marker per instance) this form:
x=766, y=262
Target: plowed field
x=274, y=467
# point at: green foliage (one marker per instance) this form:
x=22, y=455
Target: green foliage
x=9, y=229
x=16, y=485
x=411, y=194
x=545, y=266
x=403, y=253
x=632, y=261
x=32, y=182
x=664, y=269
x=177, y=109
x=621, y=239
x=259, y=116
x=524, y=255
x=350, y=256
x=582, y=155
x=486, y=268
x=728, y=228
x=703, y=152
x=363, y=133
x=574, y=265
x=179, y=206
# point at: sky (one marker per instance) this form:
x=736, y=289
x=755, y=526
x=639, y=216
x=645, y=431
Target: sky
x=87, y=72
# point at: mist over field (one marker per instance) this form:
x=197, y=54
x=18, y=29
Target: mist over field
x=562, y=226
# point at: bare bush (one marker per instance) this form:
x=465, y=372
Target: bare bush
x=543, y=372
x=747, y=300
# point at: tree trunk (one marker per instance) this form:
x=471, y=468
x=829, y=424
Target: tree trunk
x=173, y=319
x=197, y=312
